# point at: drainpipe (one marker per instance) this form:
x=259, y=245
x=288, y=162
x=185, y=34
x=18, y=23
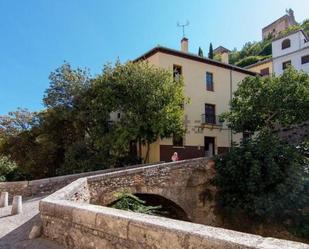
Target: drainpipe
x=231, y=95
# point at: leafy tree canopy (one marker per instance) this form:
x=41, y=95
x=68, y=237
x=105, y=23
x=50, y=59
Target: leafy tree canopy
x=16, y=122
x=66, y=85
x=263, y=177
x=149, y=99
x=267, y=102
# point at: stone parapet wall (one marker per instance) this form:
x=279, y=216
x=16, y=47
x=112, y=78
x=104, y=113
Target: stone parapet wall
x=70, y=217
x=80, y=226
x=49, y=185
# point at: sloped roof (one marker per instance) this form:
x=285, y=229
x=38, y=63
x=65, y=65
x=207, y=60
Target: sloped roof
x=259, y=63
x=193, y=57
x=221, y=49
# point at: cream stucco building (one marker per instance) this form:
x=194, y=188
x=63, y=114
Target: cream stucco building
x=264, y=67
x=209, y=85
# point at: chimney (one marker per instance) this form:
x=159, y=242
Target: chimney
x=225, y=57
x=184, y=45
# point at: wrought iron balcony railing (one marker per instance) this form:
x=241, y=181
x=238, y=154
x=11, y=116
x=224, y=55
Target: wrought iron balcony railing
x=211, y=120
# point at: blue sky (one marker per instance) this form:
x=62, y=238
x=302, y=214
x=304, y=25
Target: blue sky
x=36, y=36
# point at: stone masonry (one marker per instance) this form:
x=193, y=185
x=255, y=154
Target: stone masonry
x=73, y=216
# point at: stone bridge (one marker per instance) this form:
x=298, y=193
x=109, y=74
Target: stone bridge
x=186, y=185
x=77, y=217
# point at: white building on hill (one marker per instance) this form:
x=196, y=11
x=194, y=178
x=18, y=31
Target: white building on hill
x=291, y=49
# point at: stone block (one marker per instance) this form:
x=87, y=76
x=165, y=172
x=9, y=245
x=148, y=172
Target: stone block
x=4, y=199
x=47, y=208
x=85, y=217
x=272, y=243
x=114, y=225
x=156, y=237
x=17, y=207
x=63, y=211
x=35, y=232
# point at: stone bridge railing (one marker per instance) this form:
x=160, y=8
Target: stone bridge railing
x=49, y=185
x=74, y=217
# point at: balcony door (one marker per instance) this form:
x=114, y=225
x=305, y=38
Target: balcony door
x=210, y=114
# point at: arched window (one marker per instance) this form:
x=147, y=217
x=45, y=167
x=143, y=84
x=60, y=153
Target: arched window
x=286, y=43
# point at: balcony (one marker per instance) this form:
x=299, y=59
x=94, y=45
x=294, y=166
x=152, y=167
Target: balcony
x=211, y=120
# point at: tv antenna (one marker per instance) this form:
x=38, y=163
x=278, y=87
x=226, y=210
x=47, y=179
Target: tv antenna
x=183, y=27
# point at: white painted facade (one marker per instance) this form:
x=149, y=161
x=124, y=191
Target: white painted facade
x=299, y=47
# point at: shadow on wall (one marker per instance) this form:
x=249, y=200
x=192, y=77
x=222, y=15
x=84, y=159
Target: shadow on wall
x=169, y=209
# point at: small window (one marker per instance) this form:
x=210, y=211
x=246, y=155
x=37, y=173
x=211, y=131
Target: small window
x=177, y=141
x=305, y=59
x=177, y=71
x=265, y=71
x=209, y=81
x=286, y=64
x=286, y=44
x=118, y=115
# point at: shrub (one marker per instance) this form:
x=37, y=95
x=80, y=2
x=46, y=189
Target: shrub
x=129, y=202
x=6, y=167
x=250, y=60
x=263, y=177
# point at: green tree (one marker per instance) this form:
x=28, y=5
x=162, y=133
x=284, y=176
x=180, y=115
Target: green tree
x=268, y=102
x=16, y=122
x=263, y=177
x=66, y=86
x=210, y=52
x=200, y=52
x=44, y=144
x=150, y=102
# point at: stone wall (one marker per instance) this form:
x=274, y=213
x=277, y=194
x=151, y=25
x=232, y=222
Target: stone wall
x=70, y=217
x=49, y=185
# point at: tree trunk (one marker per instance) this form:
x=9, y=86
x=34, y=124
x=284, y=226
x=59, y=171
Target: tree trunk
x=147, y=153
x=140, y=148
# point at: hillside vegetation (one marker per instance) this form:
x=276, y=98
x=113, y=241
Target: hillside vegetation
x=253, y=52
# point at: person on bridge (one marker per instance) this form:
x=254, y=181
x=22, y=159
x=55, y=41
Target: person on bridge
x=175, y=157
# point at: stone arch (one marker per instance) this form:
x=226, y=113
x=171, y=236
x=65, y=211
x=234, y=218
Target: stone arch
x=169, y=209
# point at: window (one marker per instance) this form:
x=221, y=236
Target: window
x=177, y=71
x=286, y=64
x=177, y=141
x=286, y=43
x=305, y=59
x=264, y=71
x=209, y=81
x=210, y=114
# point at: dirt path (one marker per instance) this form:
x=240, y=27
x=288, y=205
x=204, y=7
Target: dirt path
x=14, y=230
